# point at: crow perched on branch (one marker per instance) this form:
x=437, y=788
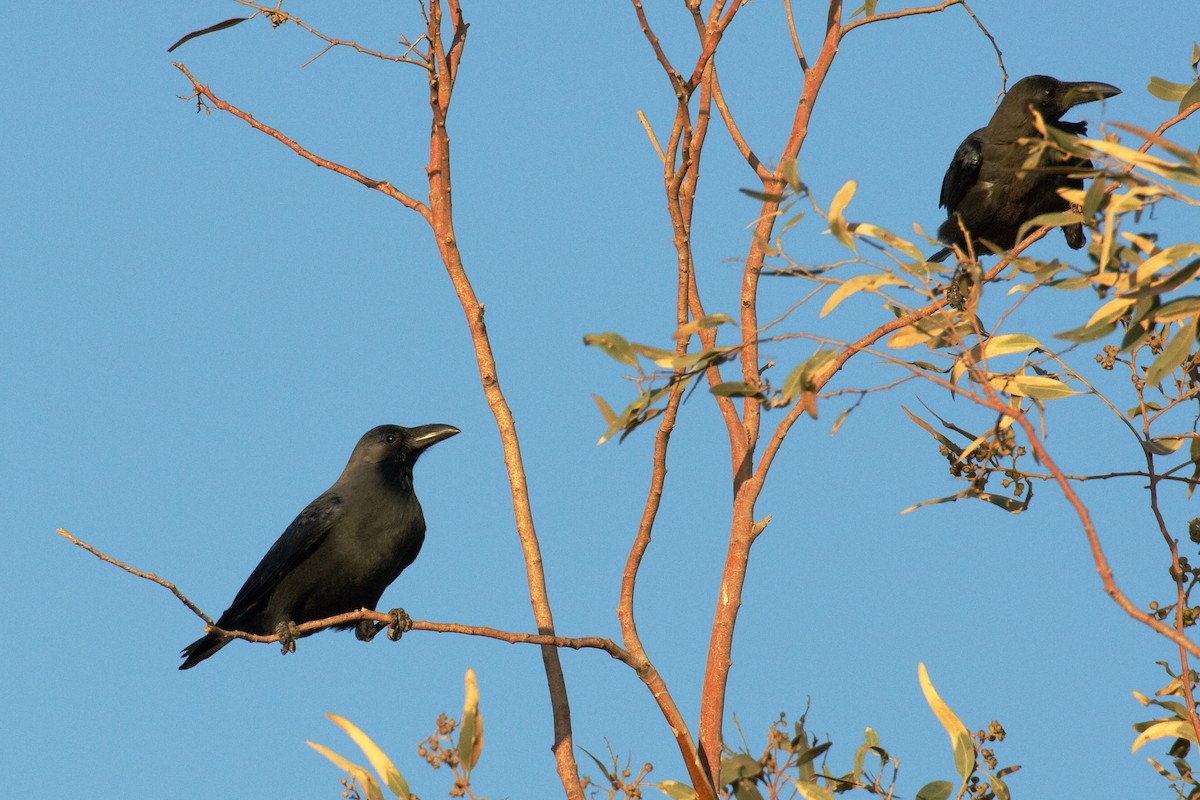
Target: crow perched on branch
x=986, y=190
x=342, y=551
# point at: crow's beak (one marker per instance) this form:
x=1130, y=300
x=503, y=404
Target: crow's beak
x=425, y=436
x=1087, y=92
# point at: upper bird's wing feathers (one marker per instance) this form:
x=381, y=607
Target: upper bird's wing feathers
x=297, y=543
x=963, y=171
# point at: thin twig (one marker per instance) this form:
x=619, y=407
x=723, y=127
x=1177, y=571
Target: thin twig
x=150, y=576
x=332, y=42
x=787, y=6
x=653, y=139
x=354, y=175
x=574, y=643
x=906, y=12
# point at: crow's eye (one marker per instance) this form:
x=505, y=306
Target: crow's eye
x=390, y=438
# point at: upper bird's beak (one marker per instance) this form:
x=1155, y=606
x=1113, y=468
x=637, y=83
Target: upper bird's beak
x=425, y=436
x=1087, y=92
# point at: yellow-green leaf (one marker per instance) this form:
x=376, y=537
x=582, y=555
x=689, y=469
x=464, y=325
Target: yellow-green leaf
x=614, y=344
x=1173, y=728
x=470, y=736
x=1166, y=90
x=1173, y=354
x=379, y=760
x=935, y=790
x=1004, y=344
x=706, y=322
x=857, y=284
x=1178, y=309
x=960, y=738
x=676, y=790
x=1035, y=386
x=837, y=222
x=812, y=791
x=887, y=237
x=359, y=774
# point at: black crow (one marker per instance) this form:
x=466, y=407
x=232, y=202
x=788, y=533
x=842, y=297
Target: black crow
x=987, y=188
x=342, y=551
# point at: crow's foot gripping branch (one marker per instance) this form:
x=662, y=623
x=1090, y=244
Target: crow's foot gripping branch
x=286, y=631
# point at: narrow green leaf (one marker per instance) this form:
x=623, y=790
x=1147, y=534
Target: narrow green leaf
x=342, y=763
x=1164, y=445
x=1173, y=728
x=656, y=354
x=837, y=423
x=837, y=222
x=1165, y=258
x=735, y=389
x=1192, y=95
x=803, y=376
x=383, y=765
x=1005, y=344
x=960, y=737
x=935, y=790
x=707, y=322
x=470, y=735
x=676, y=790
x=1178, y=309
x=1179, y=348
x=746, y=790
x=467, y=737
x=936, y=501
x=1056, y=220
x=614, y=345
x=1038, y=388
x=1088, y=333
x=608, y=776
x=359, y=774
x=1147, y=162
x=1094, y=199
x=999, y=788
x=606, y=411
x=813, y=753
x=739, y=766
x=1009, y=504
x=887, y=237
x=941, y=439
x=856, y=284
x=812, y=791
x=766, y=198
x=791, y=174
x=1164, y=89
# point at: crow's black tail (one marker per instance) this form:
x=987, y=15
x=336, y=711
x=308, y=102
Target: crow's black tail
x=201, y=649
x=941, y=255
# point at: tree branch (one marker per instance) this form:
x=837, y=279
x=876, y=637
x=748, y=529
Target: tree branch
x=354, y=175
x=312, y=626
x=441, y=220
x=277, y=16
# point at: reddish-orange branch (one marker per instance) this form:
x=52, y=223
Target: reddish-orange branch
x=324, y=163
x=574, y=643
x=743, y=529
x=441, y=219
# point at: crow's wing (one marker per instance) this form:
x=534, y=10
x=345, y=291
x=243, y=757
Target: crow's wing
x=297, y=543
x=963, y=172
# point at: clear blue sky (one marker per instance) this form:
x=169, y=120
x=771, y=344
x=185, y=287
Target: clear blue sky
x=197, y=327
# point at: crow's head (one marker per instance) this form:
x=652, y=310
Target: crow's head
x=395, y=444
x=1051, y=97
